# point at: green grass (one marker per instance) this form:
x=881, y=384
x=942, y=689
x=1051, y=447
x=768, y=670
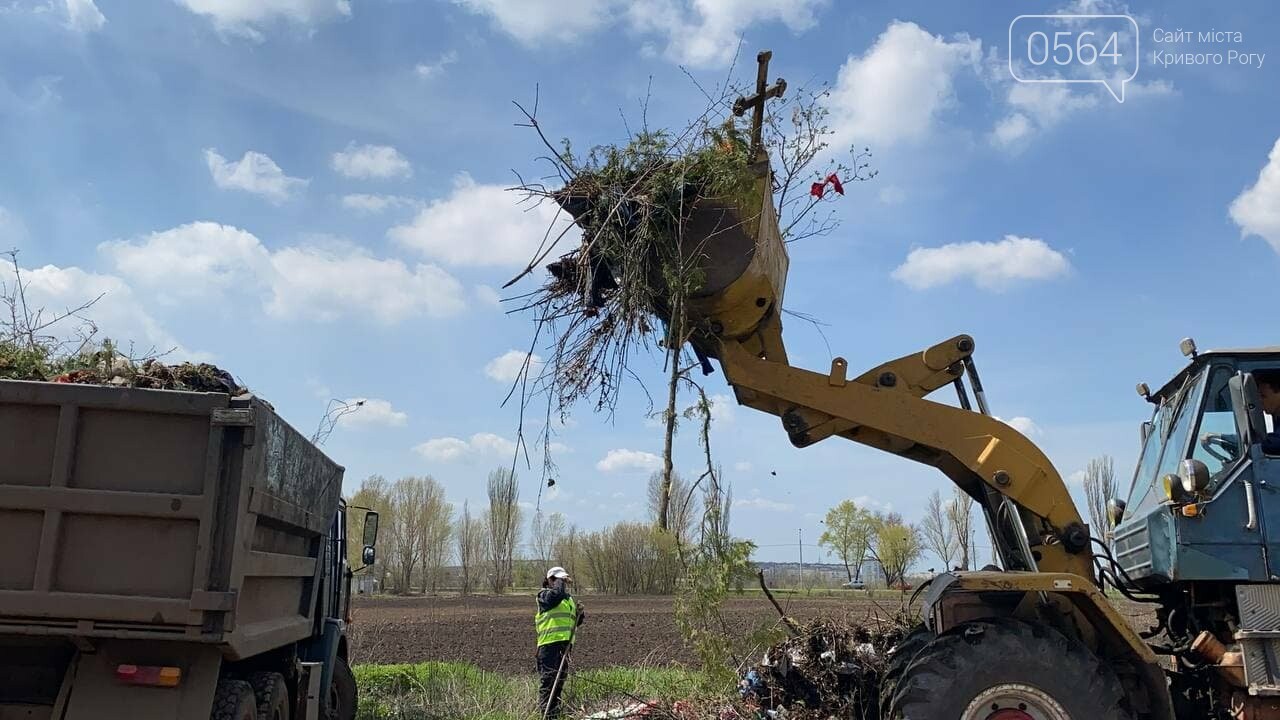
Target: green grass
x=451, y=690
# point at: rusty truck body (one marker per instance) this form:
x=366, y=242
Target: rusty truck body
x=168, y=554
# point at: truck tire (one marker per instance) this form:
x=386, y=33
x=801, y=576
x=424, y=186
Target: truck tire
x=341, y=704
x=1005, y=669
x=272, y=695
x=234, y=700
x=902, y=654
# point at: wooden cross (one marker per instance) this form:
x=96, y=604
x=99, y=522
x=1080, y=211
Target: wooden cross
x=764, y=91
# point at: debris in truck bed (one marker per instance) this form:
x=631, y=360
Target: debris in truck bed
x=108, y=367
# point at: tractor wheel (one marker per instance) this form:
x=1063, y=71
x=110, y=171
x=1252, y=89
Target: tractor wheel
x=233, y=700
x=272, y=694
x=899, y=657
x=341, y=699
x=1006, y=669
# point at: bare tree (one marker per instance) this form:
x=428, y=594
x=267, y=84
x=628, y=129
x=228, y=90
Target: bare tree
x=1099, y=488
x=683, y=505
x=503, y=524
x=406, y=525
x=545, y=533
x=939, y=535
x=470, y=536
x=960, y=518
x=437, y=530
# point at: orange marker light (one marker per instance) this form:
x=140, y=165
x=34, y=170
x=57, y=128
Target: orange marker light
x=1190, y=511
x=150, y=675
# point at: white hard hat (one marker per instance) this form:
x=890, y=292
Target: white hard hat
x=558, y=572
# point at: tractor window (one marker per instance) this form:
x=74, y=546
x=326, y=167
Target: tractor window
x=1186, y=419
x=1167, y=443
x=1217, y=441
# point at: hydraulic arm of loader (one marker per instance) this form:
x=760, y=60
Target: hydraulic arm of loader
x=886, y=408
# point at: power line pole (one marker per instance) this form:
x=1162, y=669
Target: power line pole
x=800, y=544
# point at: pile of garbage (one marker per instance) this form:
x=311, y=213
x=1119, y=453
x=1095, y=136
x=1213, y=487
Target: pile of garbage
x=828, y=669
x=107, y=366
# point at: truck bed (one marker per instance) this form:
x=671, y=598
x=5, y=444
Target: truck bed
x=155, y=514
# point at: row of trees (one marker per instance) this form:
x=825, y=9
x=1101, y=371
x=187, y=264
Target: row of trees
x=855, y=535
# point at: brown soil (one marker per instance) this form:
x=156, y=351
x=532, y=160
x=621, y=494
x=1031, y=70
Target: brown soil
x=496, y=633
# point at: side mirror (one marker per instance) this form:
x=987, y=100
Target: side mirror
x=1194, y=475
x=1115, y=511
x=369, y=556
x=1246, y=403
x=370, y=530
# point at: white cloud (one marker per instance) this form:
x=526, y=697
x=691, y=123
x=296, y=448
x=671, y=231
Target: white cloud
x=723, y=408
x=868, y=502
x=372, y=412
x=195, y=260
x=760, y=503
x=534, y=21
x=255, y=173
x=446, y=449
x=705, y=33
x=371, y=162
x=1257, y=209
x=373, y=204
x=247, y=18
x=1024, y=425
x=699, y=33
x=481, y=225
x=742, y=466
x=989, y=265
x=623, y=460
x=895, y=91
x=117, y=314
x=324, y=283
x=83, y=16
x=431, y=70
x=507, y=367
x=1077, y=478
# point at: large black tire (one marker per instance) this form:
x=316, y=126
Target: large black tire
x=342, y=697
x=272, y=695
x=1005, y=670
x=233, y=700
x=899, y=658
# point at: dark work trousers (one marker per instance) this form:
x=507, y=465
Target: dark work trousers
x=548, y=663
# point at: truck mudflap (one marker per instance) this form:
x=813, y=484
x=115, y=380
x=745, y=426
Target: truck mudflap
x=99, y=688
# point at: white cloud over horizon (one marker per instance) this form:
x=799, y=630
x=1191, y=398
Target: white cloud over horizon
x=483, y=444
x=320, y=282
x=988, y=265
x=506, y=368
x=625, y=460
x=372, y=412
x=249, y=18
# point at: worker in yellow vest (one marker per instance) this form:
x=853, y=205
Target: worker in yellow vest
x=557, y=618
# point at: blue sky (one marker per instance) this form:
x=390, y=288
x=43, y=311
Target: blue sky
x=310, y=193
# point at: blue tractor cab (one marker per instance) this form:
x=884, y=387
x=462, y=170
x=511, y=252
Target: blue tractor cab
x=1203, y=505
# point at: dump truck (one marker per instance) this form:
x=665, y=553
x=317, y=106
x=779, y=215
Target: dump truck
x=1036, y=637
x=168, y=554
